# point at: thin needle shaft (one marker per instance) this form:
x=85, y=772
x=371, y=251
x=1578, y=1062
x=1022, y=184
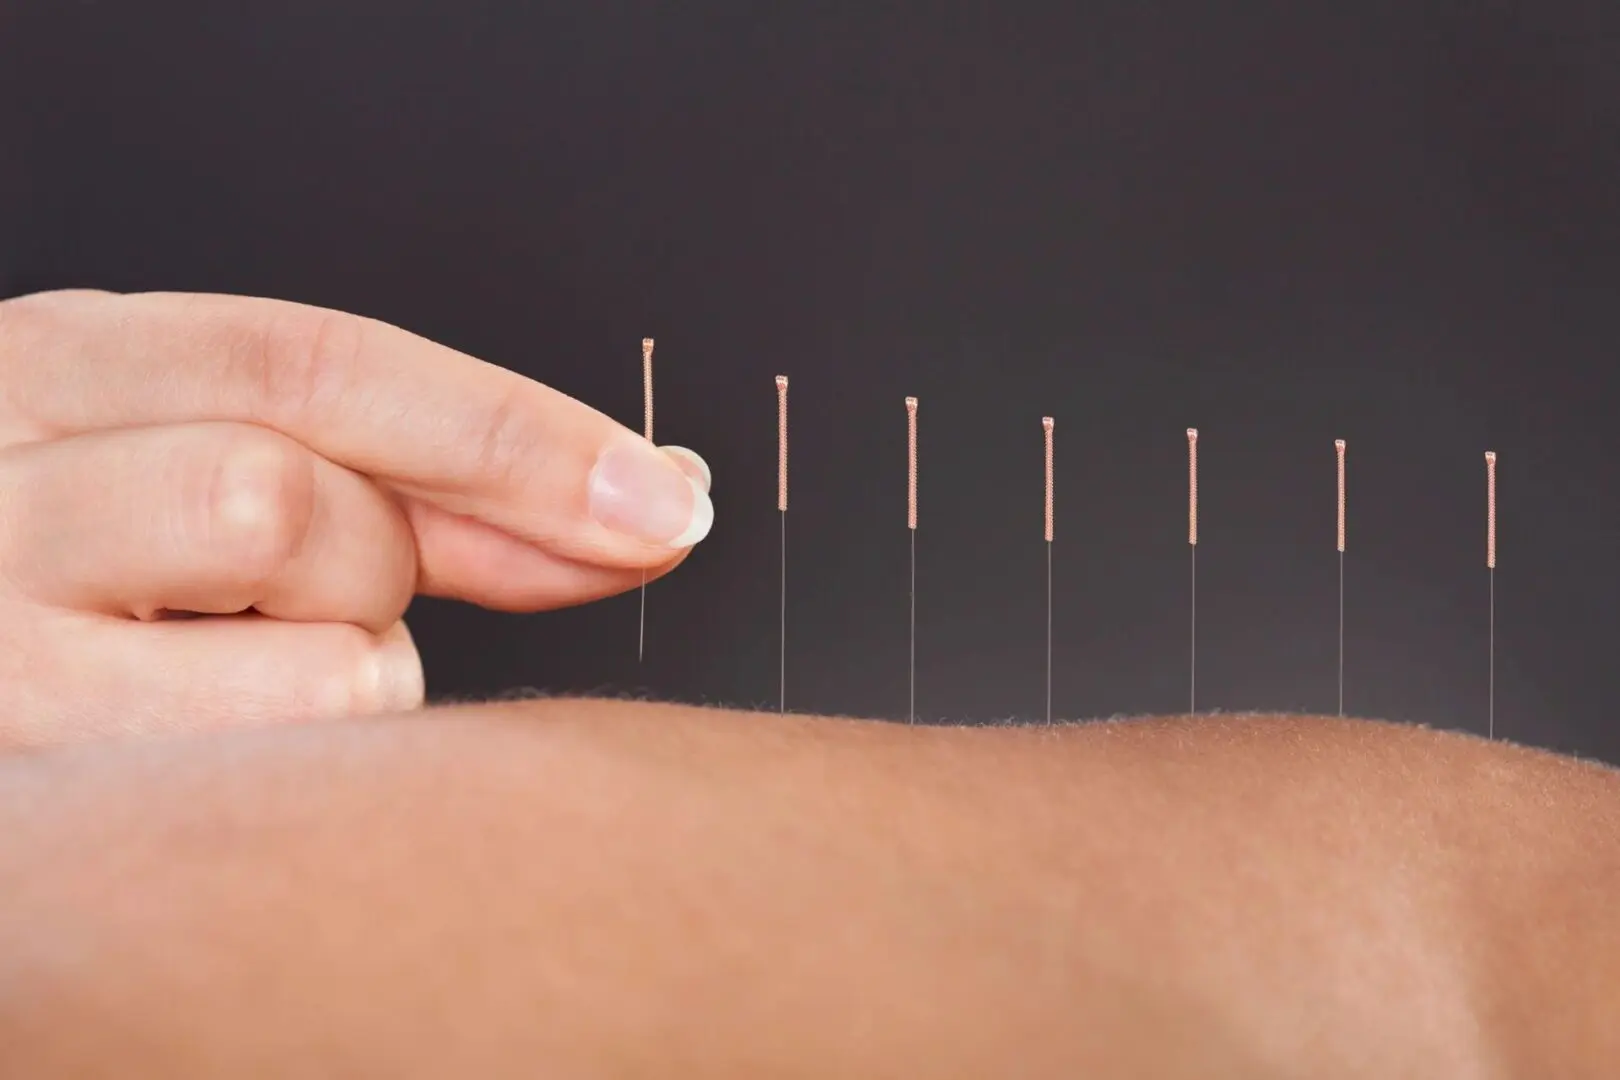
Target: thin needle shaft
x=1192, y=664
x=647, y=424
x=781, y=671
x=911, y=525
x=1341, y=633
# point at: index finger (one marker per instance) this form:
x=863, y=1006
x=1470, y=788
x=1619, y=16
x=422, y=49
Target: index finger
x=466, y=436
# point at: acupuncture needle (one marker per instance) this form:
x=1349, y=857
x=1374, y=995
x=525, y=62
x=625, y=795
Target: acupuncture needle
x=1192, y=544
x=1338, y=448
x=1046, y=427
x=1490, y=569
x=911, y=526
x=647, y=426
x=781, y=506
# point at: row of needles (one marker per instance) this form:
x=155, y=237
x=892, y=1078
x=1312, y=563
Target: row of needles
x=1047, y=427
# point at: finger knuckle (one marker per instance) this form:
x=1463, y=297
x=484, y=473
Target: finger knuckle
x=397, y=684
x=328, y=680
x=23, y=319
x=26, y=319
x=505, y=439
x=13, y=312
x=369, y=676
x=301, y=358
x=260, y=504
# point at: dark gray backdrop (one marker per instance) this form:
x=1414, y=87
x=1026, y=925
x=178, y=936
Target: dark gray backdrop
x=1283, y=223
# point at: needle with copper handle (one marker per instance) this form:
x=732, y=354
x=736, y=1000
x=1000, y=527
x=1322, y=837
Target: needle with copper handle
x=911, y=525
x=1046, y=426
x=781, y=506
x=1490, y=568
x=1192, y=544
x=1338, y=448
x=647, y=426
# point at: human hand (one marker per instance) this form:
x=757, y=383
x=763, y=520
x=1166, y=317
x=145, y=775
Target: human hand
x=292, y=476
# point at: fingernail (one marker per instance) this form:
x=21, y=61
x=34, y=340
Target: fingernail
x=640, y=491
x=692, y=464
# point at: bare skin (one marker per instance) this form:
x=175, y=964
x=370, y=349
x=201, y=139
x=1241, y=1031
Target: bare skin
x=603, y=889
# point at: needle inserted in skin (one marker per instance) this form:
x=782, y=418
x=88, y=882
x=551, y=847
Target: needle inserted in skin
x=1192, y=543
x=781, y=506
x=1046, y=426
x=1338, y=447
x=647, y=424
x=911, y=525
x=1490, y=568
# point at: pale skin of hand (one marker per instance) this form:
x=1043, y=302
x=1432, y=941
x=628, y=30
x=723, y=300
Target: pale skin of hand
x=293, y=475
x=604, y=889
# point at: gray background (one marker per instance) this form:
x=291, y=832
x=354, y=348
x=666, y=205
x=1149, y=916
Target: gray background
x=1282, y=223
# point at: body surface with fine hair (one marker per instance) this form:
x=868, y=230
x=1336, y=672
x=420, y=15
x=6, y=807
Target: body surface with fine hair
x=597, y=888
